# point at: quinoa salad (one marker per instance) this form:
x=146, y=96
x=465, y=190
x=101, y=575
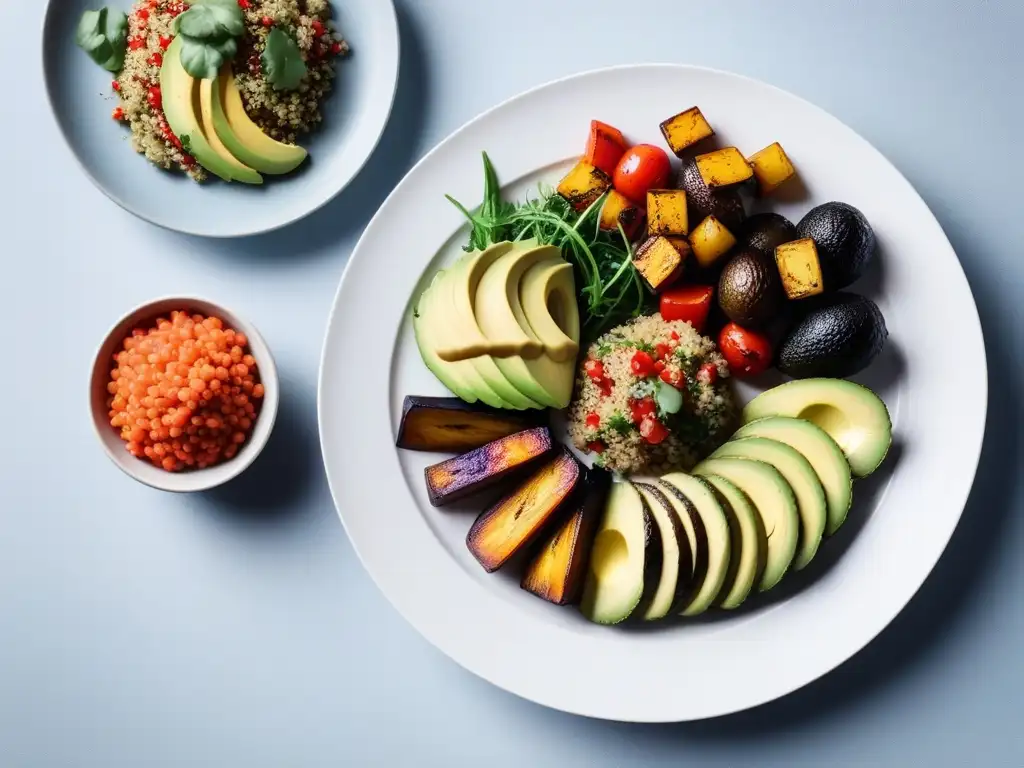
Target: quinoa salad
x=284, y=115
x=651, y=396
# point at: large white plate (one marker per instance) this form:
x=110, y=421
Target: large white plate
x=932, y=376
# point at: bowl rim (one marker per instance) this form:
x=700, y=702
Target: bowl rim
x=196, y=479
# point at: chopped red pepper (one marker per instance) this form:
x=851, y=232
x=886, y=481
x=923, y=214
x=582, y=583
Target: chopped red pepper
x=165, y=42
x=689, y=303
x=653, y=431
x=708, y=373
x=596, y=446
x=318, y=28
x=642, y=409
x=675, y=335
x=662, y=350
x=142, y=13
x=136, y=43
x=605, y=387
x=594, y=369
x=115, y=85
x=605, y=147
x=336, y=49
x=118, y=114
x=642, y=364
x=593, y=420
x=268, y=22
x=243, y=4
x=155, y=97
x=659, y=366
x=674, y=377
x=156, y=59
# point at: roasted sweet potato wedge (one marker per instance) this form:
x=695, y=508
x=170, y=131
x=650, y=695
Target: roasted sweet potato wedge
x=471, y=472
x=619, y=209
x=710, y=241
x=511, y=524
x=685, y=129
x=666, y=213
x=559, y=565
x=658, y=261
x=451, y=425
x=800, y=269
x=723, y=168
x=771, y=168
x=583, y=185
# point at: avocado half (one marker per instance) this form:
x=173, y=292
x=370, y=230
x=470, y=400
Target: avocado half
x=844, y=239
x=838, y=336
x=725, y=204
x=749, y=289
x=765, y=232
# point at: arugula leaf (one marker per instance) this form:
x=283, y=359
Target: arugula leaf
x=211, y=21
x=282, y=61
x=103, y=35
x=200, y=60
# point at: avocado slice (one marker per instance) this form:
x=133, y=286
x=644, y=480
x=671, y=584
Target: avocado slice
x=455, y=320
x=696, y=537
x=180, y=92
x=852, y=415
x=773, y=498
x=798, y=472
x=461, y=378
x=749, y=289
x=749, y=544
x=830, y=465
x=547, y=295
x=243, y=137
x=240, y=171
x=838, y=336
x=845, y=242
x=625, y=560
x=709, y=507
x=676, y=559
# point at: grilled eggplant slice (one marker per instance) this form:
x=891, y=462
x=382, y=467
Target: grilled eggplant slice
x=451, y=425
x=511, y=524
x=686, y=129
x=559, y=566
x=583, y=185
x=471, y=472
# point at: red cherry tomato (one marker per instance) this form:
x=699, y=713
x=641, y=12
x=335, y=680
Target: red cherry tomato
x=642, y=364
x=747, y=352
x=642, y=168
x=689, y=303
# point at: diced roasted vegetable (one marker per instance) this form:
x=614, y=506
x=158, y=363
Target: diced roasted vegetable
x=666, y=213
x=605, y=146
x=451, y=425
x=710, y=241
x=724, y=204
x=799, y=268
x=771, y=167
x=619, y=209
x=682, y=245
x=689, y=303
x=471, y=472
x=559, y=566
x=518, y=518
x=583, y=185
x=686, y=129
x=723, y=168
x=658, y=261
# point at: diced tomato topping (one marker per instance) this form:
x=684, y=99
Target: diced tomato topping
x=244, y=4
x=142, y=14
x=596, y=446
x=659, y=366
x=642, y=364
x=662, y=350
x=675, y=335
x=689, y=303
x=641, y=409
x=165, y=42
x=115, y=85
x=136, y=43
x=673, y=376
x=154, y=97
x=708, y=373
x=268, y=22
x=118, y=114
x=593, y=420
x=605, y=387
x=653, y=431
x=605, y=147
x=156, y=59
x=336, y=48
x=318, y=28
x=594, y=369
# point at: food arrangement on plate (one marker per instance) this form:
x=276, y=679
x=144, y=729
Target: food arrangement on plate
x=626, y=301
x=221, y=87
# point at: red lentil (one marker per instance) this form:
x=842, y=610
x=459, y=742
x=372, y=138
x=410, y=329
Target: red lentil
x=163, y=397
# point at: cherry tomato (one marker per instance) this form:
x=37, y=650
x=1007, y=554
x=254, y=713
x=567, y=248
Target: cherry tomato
x=642, y=168
x=642, y=364
x=747, y=352
x=652, y=430
x=689, y=303
x=642, y=409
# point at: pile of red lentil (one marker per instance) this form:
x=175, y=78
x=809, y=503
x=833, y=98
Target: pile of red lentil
x=185, y=392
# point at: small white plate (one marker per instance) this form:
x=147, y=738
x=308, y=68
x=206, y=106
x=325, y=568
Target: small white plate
x=355, y=115
x=932, y=376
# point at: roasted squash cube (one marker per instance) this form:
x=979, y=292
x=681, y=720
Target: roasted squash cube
x=605, y=146
x=799, y=268
x=666, y=213
x=583, y=185
x=686, y=129
x=771, y=167
x=682, y=245
x=619, y=209
x=471, y=472
x=723, y=168
x=658, y=261
x=710, y=241
x=515, y=521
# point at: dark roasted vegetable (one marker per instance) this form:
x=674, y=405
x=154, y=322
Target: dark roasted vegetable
x=471, y=472
x=504, y=529
x=620, y=210
x=451, y=425
x=559, y=566
x=659, y=262
x=583, y=185
x=685, y=129
x=724, y=204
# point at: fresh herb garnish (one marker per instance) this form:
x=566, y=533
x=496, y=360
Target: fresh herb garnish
x=103, y=34
x=186, y=142
x=209, y=30
x=608, y=287
x=202, y=59
x=282, y=61
x=619, y=423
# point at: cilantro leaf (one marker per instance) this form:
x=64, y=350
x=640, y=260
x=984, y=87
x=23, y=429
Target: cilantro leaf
x=282, y=61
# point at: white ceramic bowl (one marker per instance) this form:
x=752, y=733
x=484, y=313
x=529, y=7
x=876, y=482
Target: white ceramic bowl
x=196, y=479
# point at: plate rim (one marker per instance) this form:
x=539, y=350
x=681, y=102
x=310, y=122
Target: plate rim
x=390, y=16
x=974, y=445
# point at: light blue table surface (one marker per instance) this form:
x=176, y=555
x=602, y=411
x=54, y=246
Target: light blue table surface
x=238, y=629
